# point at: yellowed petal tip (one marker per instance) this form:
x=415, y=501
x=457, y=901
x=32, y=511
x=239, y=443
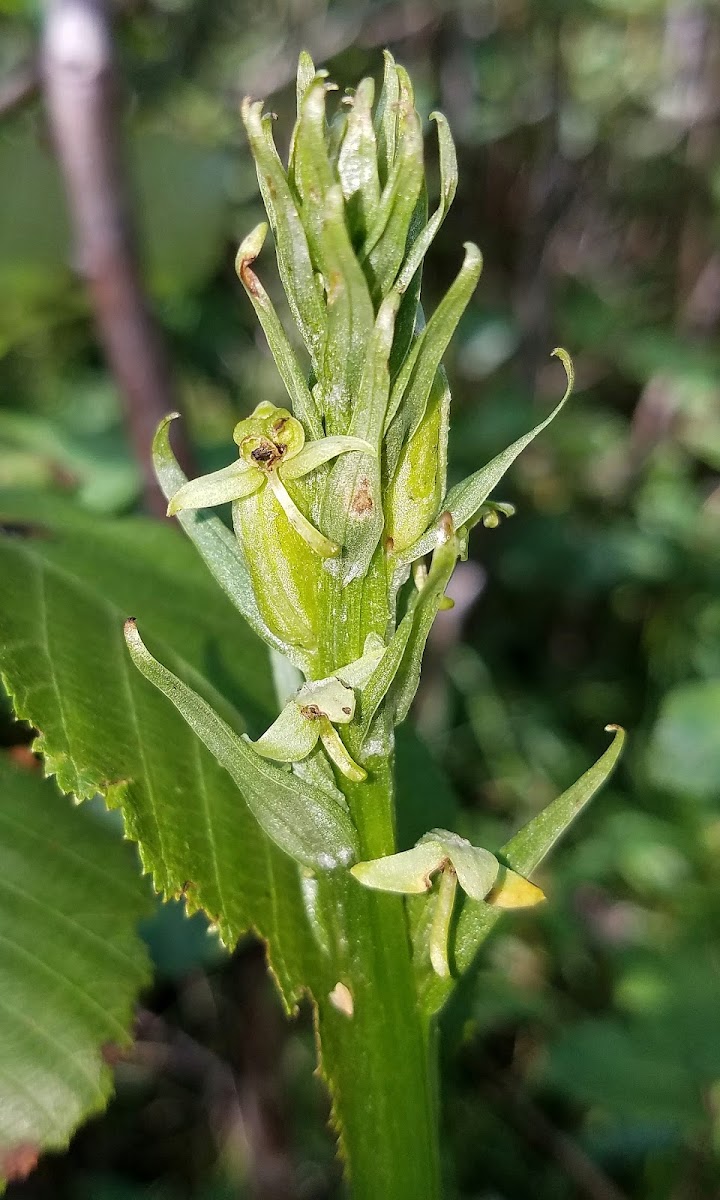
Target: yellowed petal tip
x=567, y=363
x=512, y=891
x=336, y=751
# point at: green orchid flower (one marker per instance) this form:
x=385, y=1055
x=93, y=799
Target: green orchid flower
x=479, y=873
x=272, y=450
x=316, y=709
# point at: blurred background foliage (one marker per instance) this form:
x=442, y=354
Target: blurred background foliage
x=583, y=1059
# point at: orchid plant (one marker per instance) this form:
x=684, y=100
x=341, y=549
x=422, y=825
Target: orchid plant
x=336, y=507
x=345, y=536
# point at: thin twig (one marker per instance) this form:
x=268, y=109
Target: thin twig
x=80, y=85
x=530, y=1121
x=18, y=88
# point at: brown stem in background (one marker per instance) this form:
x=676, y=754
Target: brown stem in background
x=80, y=86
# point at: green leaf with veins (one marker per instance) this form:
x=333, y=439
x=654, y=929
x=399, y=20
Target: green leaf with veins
x=65, y=589
x=71, y=964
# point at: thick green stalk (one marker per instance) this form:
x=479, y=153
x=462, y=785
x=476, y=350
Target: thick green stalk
x=380, y=1062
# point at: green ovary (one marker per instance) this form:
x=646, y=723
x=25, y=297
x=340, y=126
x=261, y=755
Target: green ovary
x=283, y=569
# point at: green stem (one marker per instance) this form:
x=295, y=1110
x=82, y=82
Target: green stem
x=379, y=1063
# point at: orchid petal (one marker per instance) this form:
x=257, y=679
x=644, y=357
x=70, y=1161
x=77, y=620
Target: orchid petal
x=314, y=538
x=314, y=454
x=409, y=871
x=329, y=698
x=220, y=487
x=335, y=748
x=290, y=738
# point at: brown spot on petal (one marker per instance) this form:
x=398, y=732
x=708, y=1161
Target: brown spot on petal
x=312, y=712
x=16, y=1162
x=362, y=501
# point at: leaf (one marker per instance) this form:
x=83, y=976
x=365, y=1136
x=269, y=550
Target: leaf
x=448, y=187
x=65, y=590
x=466, y=499
x=387, y=668
x=298, y=817
x=305, y=75
x=386, y=117
x=415, y=490
x=523, y=853
x=352, y=511
x=424, y=613
x=71, y=965
x=312, y=173
x=384, y=248
x=286, y=360
x=293, y=254
x=358, y=162
x=350, y=319
x=412, y=387
x=684, y=751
